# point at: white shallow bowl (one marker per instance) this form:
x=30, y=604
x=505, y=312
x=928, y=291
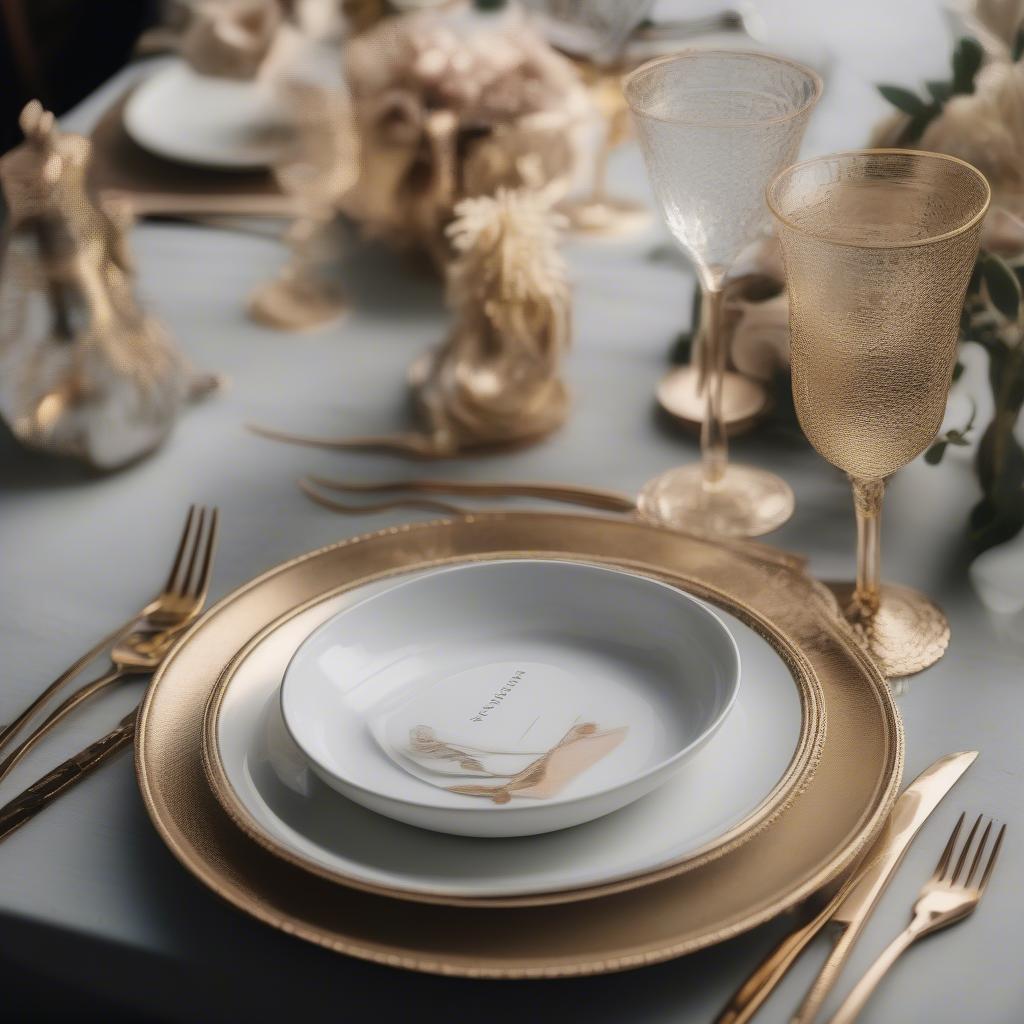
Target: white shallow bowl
x=212, y=122
x=636, y=654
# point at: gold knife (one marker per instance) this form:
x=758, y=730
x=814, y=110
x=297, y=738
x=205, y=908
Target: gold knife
x=856, y=899
x=44, y=791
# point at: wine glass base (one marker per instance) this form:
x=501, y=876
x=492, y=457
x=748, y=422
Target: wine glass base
x=906, y=634
x=606, y=217
x=744, y=401
x=296, y=305
x=746, y=502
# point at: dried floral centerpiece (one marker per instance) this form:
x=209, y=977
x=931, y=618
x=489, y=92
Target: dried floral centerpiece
x=497, y=378
x=448, y=111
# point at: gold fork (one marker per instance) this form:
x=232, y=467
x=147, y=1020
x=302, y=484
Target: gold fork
x=134, y=654
x=419, y=494
x=943, y=900
x=180, y=601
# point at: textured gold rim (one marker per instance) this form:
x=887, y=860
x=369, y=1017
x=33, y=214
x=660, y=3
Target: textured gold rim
x=826, y=829
x=773, y=186
x=792, y=782
x=696, y=54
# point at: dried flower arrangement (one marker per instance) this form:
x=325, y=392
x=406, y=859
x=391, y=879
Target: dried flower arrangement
x=447, y=113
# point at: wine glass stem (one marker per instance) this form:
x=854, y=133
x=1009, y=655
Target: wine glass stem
x=867, y=501
x=302, y=235
x=713, y=444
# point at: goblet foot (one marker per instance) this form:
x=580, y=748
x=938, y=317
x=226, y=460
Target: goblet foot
x=744, y=401
x=605, y=216
x=905, y=634
x=746, y=502
x=297, y=304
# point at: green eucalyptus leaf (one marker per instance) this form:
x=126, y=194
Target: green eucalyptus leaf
x=934, y=454
x=903, y=99
x=967, y=60
x=956, y=437
x=968, y=426
x=939, y=91
x=958, y=372
x=1018, y=44
x=1003, y=286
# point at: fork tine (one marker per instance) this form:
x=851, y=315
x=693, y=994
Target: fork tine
x=979, y=854
x=201, y=584
x=963, y=854
x=197, y=541
x=991, y=860
x=171, y=586
x=940, y=868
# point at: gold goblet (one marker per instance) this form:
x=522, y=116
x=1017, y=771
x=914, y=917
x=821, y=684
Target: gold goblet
x=879, y=246
x=318, y=165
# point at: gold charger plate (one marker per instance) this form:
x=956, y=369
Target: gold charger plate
x=273, y=646
x=817, y=839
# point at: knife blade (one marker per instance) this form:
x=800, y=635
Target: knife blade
x=852, y=905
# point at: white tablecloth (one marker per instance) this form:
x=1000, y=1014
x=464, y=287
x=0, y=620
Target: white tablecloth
x=87, y=892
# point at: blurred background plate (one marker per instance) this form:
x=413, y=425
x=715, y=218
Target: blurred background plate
x=214, y=122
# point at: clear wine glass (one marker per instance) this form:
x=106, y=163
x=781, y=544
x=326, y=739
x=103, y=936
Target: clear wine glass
x=715, y=127
x=318, y=164
x=879, y=247
x=594, y=33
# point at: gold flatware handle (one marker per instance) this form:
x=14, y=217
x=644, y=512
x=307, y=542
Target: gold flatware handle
x=368, y=508
x=861, y=993
x=171, y=204
x=827, y=976
x=414, y=445
x=7, y=731
x=750, y=996
x=79, y=696
x=572, y=494
x=44, y=791
x=590, y=497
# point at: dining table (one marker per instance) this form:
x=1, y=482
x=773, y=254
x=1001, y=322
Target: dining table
x=93, y=905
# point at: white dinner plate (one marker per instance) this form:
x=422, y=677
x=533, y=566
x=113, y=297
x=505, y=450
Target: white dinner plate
x=213, y=122
x=264, y=782
x=510, y=698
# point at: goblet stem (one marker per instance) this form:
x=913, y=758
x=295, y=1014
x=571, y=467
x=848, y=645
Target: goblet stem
x=301, y=236
x=713, y=444
x=867, y=501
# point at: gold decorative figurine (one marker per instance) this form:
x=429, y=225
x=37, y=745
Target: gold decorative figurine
x=320, y=163
x=84, y=370
x=497, y=380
